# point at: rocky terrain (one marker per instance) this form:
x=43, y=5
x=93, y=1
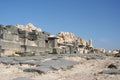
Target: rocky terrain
x=78, y=60
x=61, y=67
x=70, y=38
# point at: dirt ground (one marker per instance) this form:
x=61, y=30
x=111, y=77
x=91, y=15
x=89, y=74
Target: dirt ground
x=87, y=70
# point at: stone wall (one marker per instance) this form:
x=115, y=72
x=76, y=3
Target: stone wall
x=30, y=39
x=9, y=45
x=20, y=39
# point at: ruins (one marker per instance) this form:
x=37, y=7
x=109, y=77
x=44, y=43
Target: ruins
x=28, y=39
x=28, y=53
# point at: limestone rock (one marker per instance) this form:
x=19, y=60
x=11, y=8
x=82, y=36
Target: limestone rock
x=22, y=78
x=66, y=37
x=111, y=71
x=29, y=27
x=70, y=38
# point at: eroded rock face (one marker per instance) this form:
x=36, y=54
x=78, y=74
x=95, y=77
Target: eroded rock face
x=29, y=27
x=70, y=38
x=66, y=37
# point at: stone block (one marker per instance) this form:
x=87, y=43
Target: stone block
x=111, y=71
x=40, y=69
x=22, y=78
x=10, y=45
x=59, y=64
x=13, y=29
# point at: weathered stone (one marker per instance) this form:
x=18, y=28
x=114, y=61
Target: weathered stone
x=30, y=62
x=51, y=65
x=117, y=55
x=29, y=27
x=111, y=71
x=59, y=64
x=22, y=78
x=40, y=69
x=29, y=39
x=8, y=61
x=28, y=58
x=112, y=66
x=70, y=38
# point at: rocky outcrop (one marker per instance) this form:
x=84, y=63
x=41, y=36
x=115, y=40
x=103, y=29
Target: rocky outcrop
x=69, y=37
x=29, y=27
x=66, y=37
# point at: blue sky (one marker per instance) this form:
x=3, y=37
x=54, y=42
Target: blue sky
x=96, y=19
